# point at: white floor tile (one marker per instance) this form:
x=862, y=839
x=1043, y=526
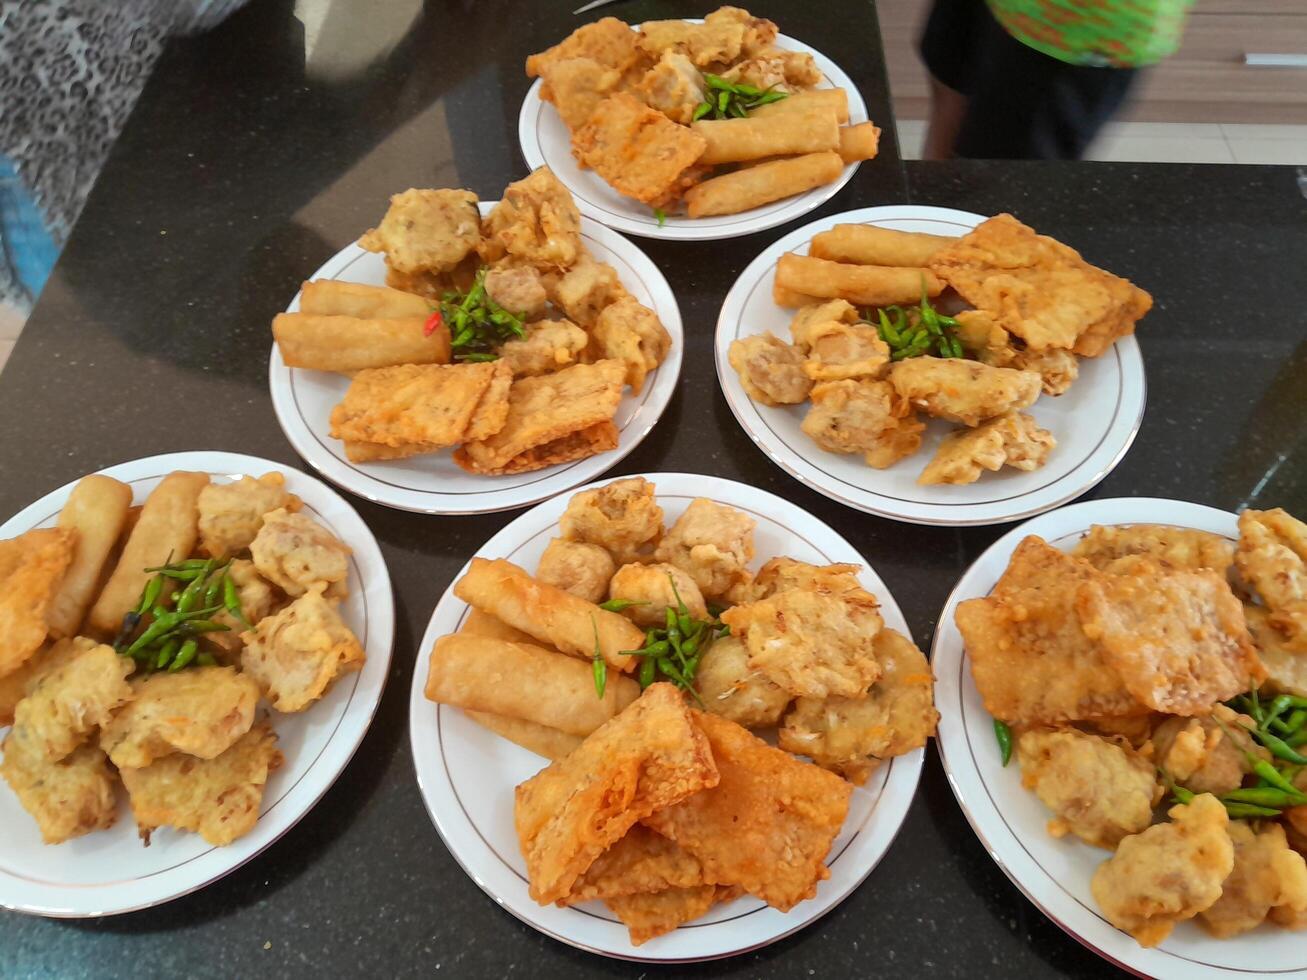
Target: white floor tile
x=1162, y=130
x=1160, y=149
x=6, y=346
x=912, y=132
x=1270, y=151
x=1263, y=131
x=11, y=321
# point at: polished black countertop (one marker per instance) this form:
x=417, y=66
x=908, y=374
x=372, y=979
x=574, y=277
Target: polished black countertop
x=258, y=150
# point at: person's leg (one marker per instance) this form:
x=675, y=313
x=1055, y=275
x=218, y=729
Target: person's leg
x=945, y=48
x=947, y=110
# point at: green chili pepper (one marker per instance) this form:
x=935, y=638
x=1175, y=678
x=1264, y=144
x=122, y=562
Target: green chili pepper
x=701, y=110
x=1181, y=794
x=599, y=667
x=1004, y=736
x=1277, y=707
x=184, y=655
x=1264, y=796
x=1278, y=747
x=206, y=660
x=1274, y=777
x=1240, y=811
x=1297, y=739
x=166, y=653
x=1255, y=707
x=150, y=594
x=231, y=600
x=193, y=627
x=646, y=673
x=1297, y=718
x=660, y=215
x=192, y=593
x=690, y=647
x=617, y=605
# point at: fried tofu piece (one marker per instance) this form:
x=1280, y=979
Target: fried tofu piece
x=217, y=798
x=1177, y=638
x=576, y=86
x=957, y=390
x=587, y=289
x=1039, y=289
x=784, y=574
x=769, y=823
x=67, y=799
x=296, y=655
x=576, y=567
x=638, y=151
x=1286, y=667
x=1097, y=789
x=713, y=543
x=1198, y=753
x=1177, y=547
x=648, y=915
x=426, y=230
x=865, y=417
x=32, y=567
x=1272, y=560
x=200, y=711
x=517, y=288
x=1031, y=660
x=729, y=687
x=296, y=553
x=630, y=332
x=609, y=41
x=655, y=587
x=770, y=370
x=712, y=42
x=1267, y=874
x=673, y=86
x=555, y=418
x=622, y=517
x=647, y=759
x=640, y=863
x=851, y=736
x=536, y=222
x=232, y=513
x=256, y=598
x=548, y=346
x=1011, y=439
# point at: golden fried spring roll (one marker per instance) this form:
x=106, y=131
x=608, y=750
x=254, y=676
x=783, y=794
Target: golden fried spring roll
x=478, y=623
x=331, y=297
x=751, y=187
x=347, y=343
x=548, y=742
x=167, y=530
x=736, y=140
x=865, y=285
x=860, y=142
x=96, y=510
x=521, y=680
x=789, y=298
x=554, y=617
x=869, y=245
x=818, y=98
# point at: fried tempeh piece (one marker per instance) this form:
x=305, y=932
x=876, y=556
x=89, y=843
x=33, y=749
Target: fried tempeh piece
x=647, y=759
x=871, y=245
x=640, y=863
x=345, y=344
x=32, y=568
x=651, y=914
x=95, y=512
x=864, y=285
x=762, y=183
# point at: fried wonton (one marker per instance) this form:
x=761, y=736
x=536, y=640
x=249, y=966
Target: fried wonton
x=729, y=687
x=1011, y=439
x=67, y=799
x=639, y=863
x=713, y=543
x=555, y=418
x=232, y=513
x=1177, y=638
x=769, y=823
x=648, y=915
x=865, y=417
x=32, y=567
x=296, y=553
x=1178, y=547
x=536, y=222
x=609, y=41
x=576, y=86
x=962, y=391
x=426, y=230
x=630, y=332
x=771, y=371
x=623, y=517
x=1267, y=874
x=648, y=758
x=217, y=798
x=548, y=346
x=1039, y=289
x=1272, y=560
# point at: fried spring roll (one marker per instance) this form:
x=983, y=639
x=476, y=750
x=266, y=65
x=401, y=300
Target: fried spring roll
x=751, y=138
x=818, y=98
x=554, y=617
x=96, y=510
x=869, y=245
x=548, y=742
x=752, y=187
x=520, y=680
x=789, y=298
x=166, y=531
x=860, y=142
x=478, y=623
x=865, y=285
x=347, y=343
x=331, y=297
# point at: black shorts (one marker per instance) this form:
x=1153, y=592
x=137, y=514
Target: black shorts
x=1022, y=104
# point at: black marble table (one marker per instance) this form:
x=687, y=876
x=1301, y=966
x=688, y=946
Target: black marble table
x=259, y=150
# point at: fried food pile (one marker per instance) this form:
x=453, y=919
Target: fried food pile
x=868, y=366
x=504, y=338
x=177, y=721
x=714, y=115
x=637, y=658
x=1153, y=663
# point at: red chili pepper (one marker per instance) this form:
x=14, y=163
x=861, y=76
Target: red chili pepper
x=434, y=322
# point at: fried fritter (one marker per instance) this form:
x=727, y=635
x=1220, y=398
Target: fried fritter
x=651, y=914
x=783, y=574
x=837, y=351
x=548, y=346
x=1168, y=873
x=296, y=655
x=536, y=222
x=1011, y=439
x=1267, y=874
x=1286, y=667
x=622, y=517
x=1198, y=754
x=32, y=567
x=576, y=567
x=66, y=705
x=232, y=513
x=296, y=553
x=647, y=759
x=713, y=543
x=576, y=86
x=851, y=735
x=759, y=32
x=865, y=417
x=256, y=599
x=639, y=863
x=1177, y=638
x=1272, y=559
x=712, y=42
x=769, y=823
x=217, y=798
x=67, y=799
x=674, y=86
x=517, y=288
x=962, y=391
x=990, y=344
x=586, y=290
x=609, y=41
x=1178, y=547
x=426, y=230
x=770, y=370
x=201, y=711
x=729, y=687
x=657, y=586
x=630, y=332
x=1099, y=790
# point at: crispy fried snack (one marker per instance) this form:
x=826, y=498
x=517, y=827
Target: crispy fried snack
x=768, y=825
x=638, y=151
x=991, y=344
x=547, y=346
x=759, y=32
x=426, y=230
x=783, y=574
x=218, y=798
x=651, y=914
x=865, y=417
x=1272, y=559
x=32, y=566
x=729, y=687
x=1040, y=289
x=576, y=86
x=576, y=567
x=1267, y=875
x=232, y=513
x=851, y=735
x=652, y=585
x=96, y=512
x=715, y=41
x=1031, y=660
x=296, y=553
x=201, y=712
x=536, y=222
x=1169, y=873
x=622, y=517
x=962, y=391
x=1011, y=439
x=837, y=351
x=609, y=41
x=673, y=86
x=67, y=799
x=519, y=288
x=1177, y=547
x=1099, y=790
x=586, y=290
x=630, y=332
x=1198, y=753
x=549, y=743
x=714, y=544
x=1177, y=638
x=257, y=599
x=770, y=370
x=650, y=757
x=556, y=418
x=1286, y=667
x=640, y=863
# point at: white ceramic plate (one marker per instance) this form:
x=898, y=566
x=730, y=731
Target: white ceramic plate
x=109, y=871
x=467, y=774
x=545, y=140
x=435, y=484
x=1094, y=423
x=1010, y=821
